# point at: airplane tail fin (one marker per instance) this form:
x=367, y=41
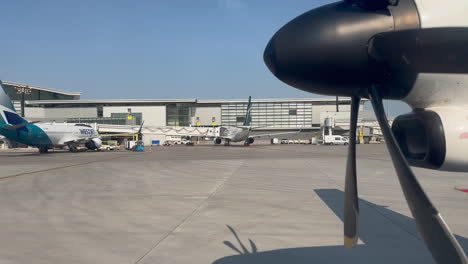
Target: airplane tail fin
x=8, y=114
x=5, y=100
x=248, y=117
x=141, y=127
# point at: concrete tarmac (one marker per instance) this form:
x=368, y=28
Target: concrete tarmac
x=275, y=204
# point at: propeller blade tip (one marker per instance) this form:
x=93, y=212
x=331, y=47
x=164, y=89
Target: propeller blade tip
x=350, y=242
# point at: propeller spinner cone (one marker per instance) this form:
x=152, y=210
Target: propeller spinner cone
x=325, y=50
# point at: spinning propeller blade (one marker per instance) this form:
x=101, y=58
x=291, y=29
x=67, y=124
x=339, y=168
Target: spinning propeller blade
x=376, y=49
x=351, y=205
x=435, y=232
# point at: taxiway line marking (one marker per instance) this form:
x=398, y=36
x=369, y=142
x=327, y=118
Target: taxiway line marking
x=59, y=168
x=218, y=187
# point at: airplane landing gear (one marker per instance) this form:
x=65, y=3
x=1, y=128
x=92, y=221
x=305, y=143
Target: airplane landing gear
x=227, y=143
x=43, y=149
x=73, y=148
x=218, y=141
x=248, y=142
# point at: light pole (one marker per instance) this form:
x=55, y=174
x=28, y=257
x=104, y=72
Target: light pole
x=337, y=103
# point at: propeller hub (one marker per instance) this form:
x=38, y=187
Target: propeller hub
x=325, y=50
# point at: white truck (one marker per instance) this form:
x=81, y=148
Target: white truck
x=335, y=140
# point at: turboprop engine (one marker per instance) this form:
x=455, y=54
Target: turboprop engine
x=434, y=138
x=410, y=50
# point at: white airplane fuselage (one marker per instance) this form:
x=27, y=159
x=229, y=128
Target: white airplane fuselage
x=235, y=134
x=445, y=93
x=49, y=135
x=60, y=134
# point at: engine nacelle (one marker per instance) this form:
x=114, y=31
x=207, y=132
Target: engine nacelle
x=94, y=143
x=218, y=141
x=250, y=140
x=435, y=138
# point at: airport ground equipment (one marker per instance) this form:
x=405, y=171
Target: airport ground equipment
x=138, y=146
x=335, y=140
x=410, y=50
x=135, y=145
x=108, y=147
x=328, y=138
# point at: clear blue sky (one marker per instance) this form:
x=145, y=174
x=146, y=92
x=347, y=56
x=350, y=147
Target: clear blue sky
x=116, y=49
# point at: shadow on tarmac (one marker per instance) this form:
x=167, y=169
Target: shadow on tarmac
x=55, y=152
x=400, y=242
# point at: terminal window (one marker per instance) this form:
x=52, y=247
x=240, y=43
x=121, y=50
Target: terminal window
x=178, y=115
x=100, y=111
x=240, y=119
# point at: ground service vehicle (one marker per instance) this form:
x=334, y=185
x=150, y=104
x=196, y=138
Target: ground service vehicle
x=335, y=140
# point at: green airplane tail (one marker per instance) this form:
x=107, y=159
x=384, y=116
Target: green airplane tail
x=248, y=117
x=7, y=110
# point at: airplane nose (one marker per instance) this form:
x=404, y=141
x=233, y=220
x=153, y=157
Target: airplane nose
x=325, y=50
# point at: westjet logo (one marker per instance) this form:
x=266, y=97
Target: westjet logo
x=85, y=131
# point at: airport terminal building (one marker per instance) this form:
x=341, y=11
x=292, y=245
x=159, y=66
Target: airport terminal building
x=266, y=113
x=44, y=104
x=20, y=93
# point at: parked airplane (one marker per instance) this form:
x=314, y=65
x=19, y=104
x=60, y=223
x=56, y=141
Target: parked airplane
x=44, y=135
x=242, y=133
x=410, y=50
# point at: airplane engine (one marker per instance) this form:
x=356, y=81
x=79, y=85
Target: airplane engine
x=435, y=138
x=250, y=140
x=94, y=143
x=409, y=50
x=218, y=141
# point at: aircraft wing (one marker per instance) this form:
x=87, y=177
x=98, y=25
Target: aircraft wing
x=273, y=134
x=13, y=127
x=66, y=141
x=222, y=137
x=127, y=134
x=117, y=134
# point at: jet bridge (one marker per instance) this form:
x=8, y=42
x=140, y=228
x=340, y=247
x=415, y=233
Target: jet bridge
x=161, y=134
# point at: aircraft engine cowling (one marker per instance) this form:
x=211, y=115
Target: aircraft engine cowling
x=250, y=140
x=435, y=138
x=94, y=143
x=218, y=141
